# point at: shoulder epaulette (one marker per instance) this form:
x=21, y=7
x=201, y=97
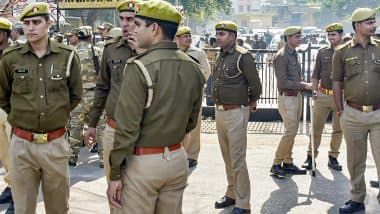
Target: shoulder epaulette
x=63, y=46
x=12, y=48
x=323, y=48
x=241, y=50
x=343, y=45
x=112, y=41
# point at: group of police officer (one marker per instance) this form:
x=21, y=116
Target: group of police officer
x=143, y=75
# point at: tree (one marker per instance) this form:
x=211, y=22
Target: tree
x=344, y=8
x=202, y=9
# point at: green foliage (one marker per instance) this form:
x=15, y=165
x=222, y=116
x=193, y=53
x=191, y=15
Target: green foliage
x=203, y=9
x=344, y=8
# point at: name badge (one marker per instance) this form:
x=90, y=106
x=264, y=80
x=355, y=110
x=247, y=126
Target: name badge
x=22, y=70
x=116, y=61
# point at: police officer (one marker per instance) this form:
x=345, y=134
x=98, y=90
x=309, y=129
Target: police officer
x=192, y=141
x=40, y=84
x=6, y=195
x=236, y=87
x=289, y=83
x=104, y=29
x=115, y=55
x=17, y=34
x=72, y=36
x=356, y=70
x=148, y=164
x=324, y=101
x=79, y=116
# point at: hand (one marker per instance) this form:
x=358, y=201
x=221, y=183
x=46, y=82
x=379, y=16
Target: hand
x=114, y=193
x=307, y=85
x=339, y=113
x=134, y=45
x=253, y=106
x=90, y=137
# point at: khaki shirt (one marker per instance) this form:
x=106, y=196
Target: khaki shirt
x=287, y=70
x=35, y=92
x=323, y=67
x=231, y=86
x=108, y=85
x=359, y=70
x=201, y=57
x=177, y=88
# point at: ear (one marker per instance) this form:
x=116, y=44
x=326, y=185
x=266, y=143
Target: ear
x=155, y=29
x=50, y=22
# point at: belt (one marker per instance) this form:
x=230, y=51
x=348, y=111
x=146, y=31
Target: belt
x=324, y=90
x=154, y=150
x=227, y=107
x=38, y=138
x=112, y=123
x=363, y=108
x=291, y=93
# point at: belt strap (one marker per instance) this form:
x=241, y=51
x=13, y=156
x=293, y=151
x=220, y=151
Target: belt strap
x=112, y=123
x=38, y=138
x=154, y=150
x=326, y=91
x=227, y=107
x=363, y=108
x=290, y=93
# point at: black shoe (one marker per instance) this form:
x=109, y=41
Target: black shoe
x=73, y=162
x=351, y=207
x=224, y=202
x=94, y=149
x=6, y=196
x=238, y=210
x=101, y=164
x=308, y=163
x=278, y=171
x=374, y=184
x=334, y=164
x=11, y=208
x=292, y=169
x=192, y=162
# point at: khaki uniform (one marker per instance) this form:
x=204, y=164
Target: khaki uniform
x=192, y=140
x=79, y=116
x=154, y=183
x=359, y=70
x=115, y=55
x=288, y=74
x=324, y=103
x=4, y=136
x=235, y=82
x=38, y=95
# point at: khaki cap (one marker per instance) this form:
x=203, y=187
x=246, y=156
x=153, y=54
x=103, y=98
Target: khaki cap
x=226, y=25
x=362, y=14
x=73, y=32
x=105, y=25
x=158, y=10
x=85, y=31
x=183, y=30
x=334, y=27
x=291, y=30
x=128, y=5
x=5, y=24
x=35, y=9
x=115, y=32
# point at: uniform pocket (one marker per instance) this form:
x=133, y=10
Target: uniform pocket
x=22, y=83
x=56, y=79
x=352, y=68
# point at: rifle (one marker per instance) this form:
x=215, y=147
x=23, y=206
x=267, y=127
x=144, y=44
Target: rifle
x=95, y=58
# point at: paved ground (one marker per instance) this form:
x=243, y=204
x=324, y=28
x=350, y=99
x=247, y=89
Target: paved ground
x=298, y=194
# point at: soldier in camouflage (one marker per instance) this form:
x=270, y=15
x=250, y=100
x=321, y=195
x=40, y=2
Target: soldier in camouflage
x=79, y=116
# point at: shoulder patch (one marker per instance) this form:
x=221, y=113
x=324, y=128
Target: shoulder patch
x=241, y=50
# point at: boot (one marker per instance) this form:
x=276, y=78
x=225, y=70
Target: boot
x=94, y=149
x=278, y=171
x=292, y=169
x=6, y=196
x=308, y=163
x=11, y=208
x=73, y=161
x=334, y=164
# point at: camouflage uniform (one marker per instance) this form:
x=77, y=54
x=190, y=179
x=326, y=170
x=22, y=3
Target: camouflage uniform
x=79, y=116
